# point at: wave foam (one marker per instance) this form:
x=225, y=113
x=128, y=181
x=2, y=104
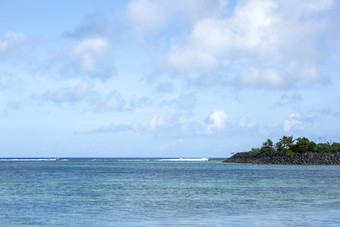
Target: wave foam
x=186, y=159
x=27, y=159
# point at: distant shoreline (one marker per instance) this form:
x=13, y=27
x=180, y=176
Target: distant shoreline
x=311, y=158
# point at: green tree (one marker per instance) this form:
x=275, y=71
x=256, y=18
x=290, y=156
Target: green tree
x=268, y=143
x=312, y=147
x=255, y=150
x=267, y=149
x=279, y=146
x=335, y=147
x=323, y=147
x=284, y=143
x=267, y=146
x=289, y=153
x=303, y=145
x=287, y=140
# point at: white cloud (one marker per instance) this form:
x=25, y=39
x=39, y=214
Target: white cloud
x=252, y=25
x=202, y=8
x=201, y=48
x=264, y=77
x=70, y=94
x=165, y=87
x=297, y=121
x=86, y=92
x=157, y=121
x=288, y=100
x=292, y=122
x=141, y=102
x=98, y=101
x=274, y=32
x=175, y=125
x=11, y=39
x=184, y=102
x=88, y=50
x=150, y=15
x=93, y=25
x=168, y=125
x=249, y=29
x=307, y=6
x=186, y=59
x=244, y=123
x=113, y=101
x=216, y=120
x=146, y=14
x=113, y=128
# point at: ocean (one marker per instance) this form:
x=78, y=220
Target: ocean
x=166, y=192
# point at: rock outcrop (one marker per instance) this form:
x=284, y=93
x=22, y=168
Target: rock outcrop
x=312, y=158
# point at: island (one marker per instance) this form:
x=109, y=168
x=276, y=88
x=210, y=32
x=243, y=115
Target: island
x=289, y=151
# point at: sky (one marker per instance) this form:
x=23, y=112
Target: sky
x=166, y=78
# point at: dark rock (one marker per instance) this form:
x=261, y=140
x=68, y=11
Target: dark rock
x=280, y=158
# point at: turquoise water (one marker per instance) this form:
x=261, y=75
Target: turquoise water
x=141, y=192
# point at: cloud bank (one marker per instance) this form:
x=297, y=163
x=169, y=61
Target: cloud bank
x=284, y=37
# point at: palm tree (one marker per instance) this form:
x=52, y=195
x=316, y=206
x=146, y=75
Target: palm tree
x=268, y=143
x=287, y=142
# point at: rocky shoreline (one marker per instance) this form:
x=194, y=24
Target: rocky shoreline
x=311, y=158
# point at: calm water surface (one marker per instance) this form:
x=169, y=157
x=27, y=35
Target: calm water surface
x=166, y=193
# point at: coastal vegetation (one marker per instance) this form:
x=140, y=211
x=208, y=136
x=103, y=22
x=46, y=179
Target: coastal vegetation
x=289, y=151
x=291, y=146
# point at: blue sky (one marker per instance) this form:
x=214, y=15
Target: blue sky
x=147, y=78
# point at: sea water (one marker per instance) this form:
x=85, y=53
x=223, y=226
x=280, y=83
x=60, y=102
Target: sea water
x=166, y=192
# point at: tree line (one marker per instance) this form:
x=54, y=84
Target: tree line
x=300, y=145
